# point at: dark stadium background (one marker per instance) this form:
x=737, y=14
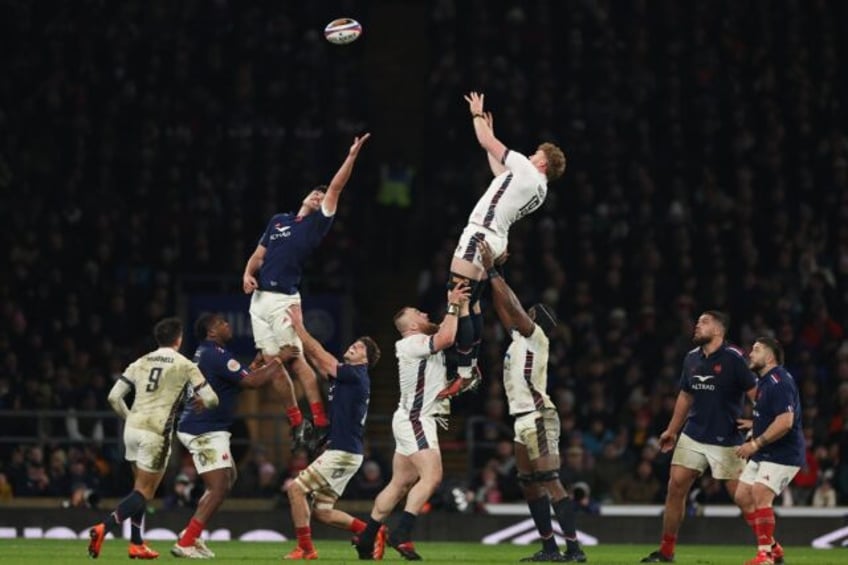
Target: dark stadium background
x=143, y=146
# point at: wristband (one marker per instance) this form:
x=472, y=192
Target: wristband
x=493, y=273
x=475, y=116
x=758, y=443
x=453, y=309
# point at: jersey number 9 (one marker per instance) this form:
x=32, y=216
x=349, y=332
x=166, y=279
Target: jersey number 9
x=153, y=379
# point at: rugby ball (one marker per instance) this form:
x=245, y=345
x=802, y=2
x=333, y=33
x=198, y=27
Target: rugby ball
x=342, y=31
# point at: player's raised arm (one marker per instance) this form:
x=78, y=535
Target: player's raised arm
x=509, y=309
x=485, y=135
x=248, y=280
x=324, y=362
x=334, y=190
x=494, y=164
x=457, y=298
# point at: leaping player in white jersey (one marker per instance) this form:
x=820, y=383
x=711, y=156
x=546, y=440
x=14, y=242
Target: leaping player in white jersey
x=417, y=462
x=518, y=189
x=537, y=427
x=159, y=379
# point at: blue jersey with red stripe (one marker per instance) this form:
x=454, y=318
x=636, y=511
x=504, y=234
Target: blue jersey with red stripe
x=718, y=383
x=777, y=394
x=224, y=373
x=288, y=240
x=349, y=394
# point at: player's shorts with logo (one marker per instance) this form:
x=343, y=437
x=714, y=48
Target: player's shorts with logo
x=467, y=246
x=148, y=450
x=774, y=475
x=328, y=476
x=723, y=462
x=539, y=432
x=272, y=327
x=414, y=434
x=209, y=451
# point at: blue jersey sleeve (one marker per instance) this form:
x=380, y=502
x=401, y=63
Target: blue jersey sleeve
x=781, y=398
x=266, y=235
x=745, y=377
x=346, y=374
x=319, y=226
x=685, y=381
x=229, y=368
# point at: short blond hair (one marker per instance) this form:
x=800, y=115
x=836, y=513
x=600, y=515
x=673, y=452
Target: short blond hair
x=556, y=160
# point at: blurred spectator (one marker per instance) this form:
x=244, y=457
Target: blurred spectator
x=186, y=492
x=638, y=487
x=824, y=495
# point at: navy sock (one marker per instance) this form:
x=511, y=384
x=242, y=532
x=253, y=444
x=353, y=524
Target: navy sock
x=403, y=532
x=136, y=521
x=127, y=507
x=540, y=510
x=366, y=538
x=465, y=334
x=564, y=510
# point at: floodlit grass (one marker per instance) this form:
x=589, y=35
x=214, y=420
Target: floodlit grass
x=55, y=552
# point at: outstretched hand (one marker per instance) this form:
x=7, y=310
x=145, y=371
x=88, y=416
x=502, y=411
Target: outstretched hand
x=459, y=293
x=486, y=255
x=295, y=315
x=358, y=142
x=475, y=103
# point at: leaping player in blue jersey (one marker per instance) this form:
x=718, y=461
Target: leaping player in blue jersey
x=713, y=385
x=325, y=479
x=206, y=434
x=775, y=451
x=273, y=274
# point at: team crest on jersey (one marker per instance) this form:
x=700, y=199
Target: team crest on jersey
x=233, y=365
x=717, y=368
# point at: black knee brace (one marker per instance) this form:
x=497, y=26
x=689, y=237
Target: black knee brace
x=546, y=476
x=525, y=480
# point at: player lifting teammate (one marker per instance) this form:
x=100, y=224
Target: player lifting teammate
x=537, y=426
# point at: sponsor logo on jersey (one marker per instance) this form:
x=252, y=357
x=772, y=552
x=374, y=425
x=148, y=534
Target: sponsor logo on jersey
x=703, y=383
x=282, y=231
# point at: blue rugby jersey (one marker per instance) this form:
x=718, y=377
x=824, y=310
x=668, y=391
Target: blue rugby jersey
x=288, y=240
x=718, y=384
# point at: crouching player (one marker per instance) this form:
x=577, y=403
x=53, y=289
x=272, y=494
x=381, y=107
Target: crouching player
x=326, y=478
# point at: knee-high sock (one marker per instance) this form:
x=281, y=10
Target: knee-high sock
x=128, y=507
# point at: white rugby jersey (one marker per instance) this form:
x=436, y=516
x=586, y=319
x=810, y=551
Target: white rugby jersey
x=518, y=191
x=159, y=379
x=526, y=372
x=422, y=374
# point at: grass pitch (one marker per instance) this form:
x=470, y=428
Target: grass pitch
x=61, y=552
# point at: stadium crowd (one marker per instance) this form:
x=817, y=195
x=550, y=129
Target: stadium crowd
x=142, y=144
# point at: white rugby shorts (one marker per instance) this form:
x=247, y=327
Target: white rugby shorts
x=148, y=450
x=328, y=476
x=414, y=434
x=723, y=462
x=209, y=451
x=539, y=432
x=272, y=327
x=467, y=246
x=774, y=475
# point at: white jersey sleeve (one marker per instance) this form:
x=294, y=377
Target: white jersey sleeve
x=513, y=194
x=526, y=372
x=422, y=375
